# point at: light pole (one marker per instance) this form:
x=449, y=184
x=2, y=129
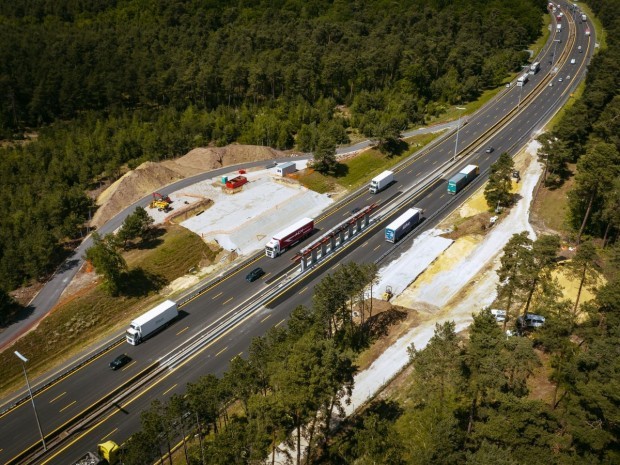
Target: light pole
x=458, y=127
x=24, y=360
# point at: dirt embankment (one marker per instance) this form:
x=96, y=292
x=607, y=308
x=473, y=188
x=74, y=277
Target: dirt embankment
x=150, y=177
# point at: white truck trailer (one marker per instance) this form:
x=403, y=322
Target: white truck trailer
x=380, y=182
x=151, y=322
x=402, y=225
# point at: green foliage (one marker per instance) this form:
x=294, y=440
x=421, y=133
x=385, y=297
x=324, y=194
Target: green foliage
x=135, y=225
x=108, y=261
x=325, y=156
x=8, y=307
x=498, y=188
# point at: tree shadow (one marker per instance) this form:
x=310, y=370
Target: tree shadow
x=139, y=283
x=394, y=147
x=152, y=240
x=15, y=313
x=379, y=325
x=385, y=409
x=341, y=170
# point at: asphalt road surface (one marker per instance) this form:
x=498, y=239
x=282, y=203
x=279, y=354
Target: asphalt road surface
x=71, y=396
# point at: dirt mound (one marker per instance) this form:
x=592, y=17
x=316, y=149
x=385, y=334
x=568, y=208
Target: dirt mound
x=210, y=158
x=134, y=185
x=150, y=177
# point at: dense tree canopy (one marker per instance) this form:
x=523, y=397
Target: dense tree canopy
x=108, y=85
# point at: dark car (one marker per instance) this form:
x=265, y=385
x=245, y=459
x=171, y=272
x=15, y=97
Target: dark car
x=120, y=361
x=489, y=149
x=254, y=274
x=355, y=210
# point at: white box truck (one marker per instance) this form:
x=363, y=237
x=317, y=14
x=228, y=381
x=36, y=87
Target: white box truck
x=378, y=183
x=151, y=322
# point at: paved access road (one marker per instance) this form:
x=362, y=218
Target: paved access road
x=71, y=396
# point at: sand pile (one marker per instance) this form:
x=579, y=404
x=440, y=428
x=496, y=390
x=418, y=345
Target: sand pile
x=210, y=158
x=149, y=177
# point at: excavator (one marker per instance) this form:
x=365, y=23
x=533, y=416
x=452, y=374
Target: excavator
x=161, y=202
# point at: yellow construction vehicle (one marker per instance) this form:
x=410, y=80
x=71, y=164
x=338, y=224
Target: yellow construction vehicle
x=388, y=294
x=161, y=202
x=161, y=205
x=107, y=454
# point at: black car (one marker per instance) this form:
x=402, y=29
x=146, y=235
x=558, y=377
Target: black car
x=254, y=274
x=120, y=361
x=355, y=210
x=489, y=149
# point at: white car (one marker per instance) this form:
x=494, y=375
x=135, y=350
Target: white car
x=560, y=80
x=572, y=61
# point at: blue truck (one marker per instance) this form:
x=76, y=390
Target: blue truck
x=462, y=178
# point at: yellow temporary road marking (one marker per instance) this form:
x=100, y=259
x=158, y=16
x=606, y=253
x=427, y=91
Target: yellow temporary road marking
x=376, y=247
x=279, y=323
x=183, y=330
x=364, y=244
x=58, y=397
x=409, y=172
x=221, y=351
x=335, y=266
x=228, y=301
x=303, y=290
x=266, y=274
x=217, y=295
x=109, y=434
x=131, y=364
x=265, y=319
x=169, y=389
x=67, y=406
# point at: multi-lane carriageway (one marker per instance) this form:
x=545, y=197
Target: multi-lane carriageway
x=421, y=181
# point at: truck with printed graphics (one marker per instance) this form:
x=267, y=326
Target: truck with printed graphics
x=152, y=321
x=402, y=225
x=288, y=237
x=462, y=178
x=378, y=183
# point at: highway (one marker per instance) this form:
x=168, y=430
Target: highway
x=72, y=396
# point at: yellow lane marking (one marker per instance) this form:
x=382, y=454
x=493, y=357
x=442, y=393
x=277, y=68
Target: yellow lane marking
x=67, y=406
x=228, y=301
x=183, y=330
x=168, y=390
x=279, y=323
x=132, y=363
x=58, y=397
x=266, y=274
x=239, y=354
x=109, y=434
x=217, y=295
x=303, y=290
x=335, y=266
x=376, y=247
x=221, y=351
x=409, y=172
x=265, y=319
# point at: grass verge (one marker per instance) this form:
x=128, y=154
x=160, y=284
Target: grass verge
x=92, y=315
x=550, y=208
x=360, y=169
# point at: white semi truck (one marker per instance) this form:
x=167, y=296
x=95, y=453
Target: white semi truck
x=151, y=322
x=378, y=183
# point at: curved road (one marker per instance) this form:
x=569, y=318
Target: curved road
x=71, y=396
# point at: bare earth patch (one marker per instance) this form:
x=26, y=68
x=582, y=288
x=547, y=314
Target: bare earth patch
x=150, y=177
